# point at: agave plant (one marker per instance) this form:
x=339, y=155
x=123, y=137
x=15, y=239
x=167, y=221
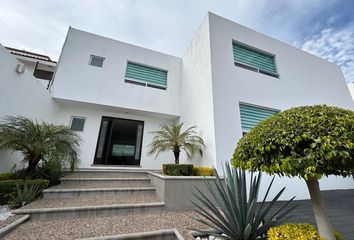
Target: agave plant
x=24, y=196
x=229, y=212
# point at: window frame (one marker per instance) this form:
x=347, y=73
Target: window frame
x=254, y=68
x=143, y=83
x=77, y=117
x=92, y=56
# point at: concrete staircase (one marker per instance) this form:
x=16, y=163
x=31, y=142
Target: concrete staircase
x=96, y=192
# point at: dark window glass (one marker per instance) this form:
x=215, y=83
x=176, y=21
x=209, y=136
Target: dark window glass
x=96, y=61
x=77, y=124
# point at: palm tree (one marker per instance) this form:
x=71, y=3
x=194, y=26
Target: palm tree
x=39, y=141
x=172, y=138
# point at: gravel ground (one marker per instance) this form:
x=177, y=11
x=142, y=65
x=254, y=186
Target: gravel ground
x=9, y=220
x=90, y=201
x=5, y=212
x=94, y=227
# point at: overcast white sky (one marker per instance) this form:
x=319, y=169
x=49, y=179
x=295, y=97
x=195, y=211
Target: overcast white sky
x=322, y=27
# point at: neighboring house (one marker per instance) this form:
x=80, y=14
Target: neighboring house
x=41, y=66
x=230, y=78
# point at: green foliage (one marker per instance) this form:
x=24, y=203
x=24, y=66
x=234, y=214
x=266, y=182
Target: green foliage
x=294, y=231
x=7, y=176
x=39, y=141
x=51, y=170
x=227, y=208
x=338, y=235
x=203, y=171
x=24, y=195
x=172, y=138
x=9, y=186
x=177, y=169
x=297, y=231
x=308, y=142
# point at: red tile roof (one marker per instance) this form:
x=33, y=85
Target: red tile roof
x=33, y=55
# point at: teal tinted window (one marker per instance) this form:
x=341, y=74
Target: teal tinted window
x=146, y=76
x=252, y=115
x=248, y=57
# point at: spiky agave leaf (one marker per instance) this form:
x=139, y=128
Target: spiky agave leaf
x=227, y=208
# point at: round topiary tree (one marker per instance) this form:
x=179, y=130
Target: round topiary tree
x=308, y=142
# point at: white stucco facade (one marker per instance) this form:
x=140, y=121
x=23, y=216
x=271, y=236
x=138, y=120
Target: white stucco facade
x=204, y=88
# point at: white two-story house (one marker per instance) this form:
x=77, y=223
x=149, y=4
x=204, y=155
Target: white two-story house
x=229, y=78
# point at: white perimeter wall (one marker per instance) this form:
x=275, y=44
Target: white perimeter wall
x=196, y=92
x=304, y=80
x=21, y=94
x=91, y=131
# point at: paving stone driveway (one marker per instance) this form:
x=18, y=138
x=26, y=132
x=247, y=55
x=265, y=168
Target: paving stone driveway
x=340, y=209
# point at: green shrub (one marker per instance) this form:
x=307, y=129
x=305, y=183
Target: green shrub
x=203, y=171
x=297, y=231
x=24, y=196
x=177, y=169
x=9, y=187
x=338, y=235
x=7, y=176
x=51, y=170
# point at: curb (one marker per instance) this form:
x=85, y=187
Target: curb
x=84, y=211
x=68, y=192
x=160, y=234
x=103, y=179
x=8, y=228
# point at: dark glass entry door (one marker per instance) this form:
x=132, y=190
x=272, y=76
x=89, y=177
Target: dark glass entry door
x=119, y=142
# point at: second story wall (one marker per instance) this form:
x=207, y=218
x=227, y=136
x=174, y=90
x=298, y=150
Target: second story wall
x=303, y=79
x=77, y=80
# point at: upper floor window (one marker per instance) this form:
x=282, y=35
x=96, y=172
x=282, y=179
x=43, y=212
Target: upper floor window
x=146, y=76
x=77, y=124
x=251, y=115
x=253, y=59
x=96, y=61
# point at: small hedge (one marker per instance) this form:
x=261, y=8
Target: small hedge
x=7, y=176
x=203, y=171
x=296, y=231
x=9, y=186
x=177, y=169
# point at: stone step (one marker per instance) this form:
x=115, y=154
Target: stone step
x=90, y=201
x=137, y=182
x=106, y=173
x=90, y=211
x=58, y=192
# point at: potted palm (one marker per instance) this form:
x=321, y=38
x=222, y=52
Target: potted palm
x=173, y=138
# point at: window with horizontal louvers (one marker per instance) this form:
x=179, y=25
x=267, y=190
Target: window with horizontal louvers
x=248, y=56
x=147, y=76
x=252, y=115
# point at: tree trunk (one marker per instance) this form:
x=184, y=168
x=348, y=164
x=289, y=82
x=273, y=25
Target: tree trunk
x=32, y=164
x=176, y=153
x=323, y=225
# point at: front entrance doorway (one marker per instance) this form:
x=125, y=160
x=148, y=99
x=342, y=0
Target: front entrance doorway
x=119, y=142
